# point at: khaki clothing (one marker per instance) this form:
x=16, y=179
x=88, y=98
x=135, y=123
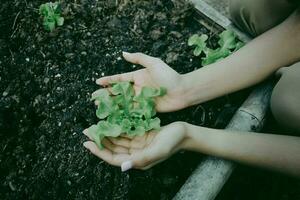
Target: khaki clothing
x=258, y=16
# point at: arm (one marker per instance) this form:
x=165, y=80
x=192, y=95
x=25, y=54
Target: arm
x=276, y=152
x=248, y=66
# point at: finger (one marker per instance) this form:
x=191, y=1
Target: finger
x=123, y=135
x=129, y=141
x=142, y=141
x=125, y=144
x=152, y=164
x=138, y=144
x=120, y=141
x=151, y=136
x=141, y=59
x=104, y=81
x=114, y=148
x=134, y=151
x=106, y=154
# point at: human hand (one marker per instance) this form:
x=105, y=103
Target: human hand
x=155, y=74
x=141, y=152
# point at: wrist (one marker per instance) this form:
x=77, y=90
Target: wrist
x=189, y=90
x=181, y=92
x=186, y=141
x=195, y=137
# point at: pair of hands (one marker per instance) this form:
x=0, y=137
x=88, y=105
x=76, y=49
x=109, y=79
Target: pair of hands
x=142, y=152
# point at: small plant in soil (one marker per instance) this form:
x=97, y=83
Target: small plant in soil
x=51, y=13
x=228, y=43
x=124, y=112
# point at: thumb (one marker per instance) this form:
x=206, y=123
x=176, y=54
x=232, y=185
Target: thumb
x=141, y=59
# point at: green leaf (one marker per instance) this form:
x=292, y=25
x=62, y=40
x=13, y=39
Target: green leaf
x=49, y=25
x=108, y=129
x=238, y=46
x=215, y=55
x=199, y=42
x=197, y=51
x=51, y=15
x=126, y=125
x=44, y=10
x=153, y=124
x=227, y=40
x=139, y=130
x=116, y=116
x=122, y=112
x=100, y=94
x=106, y=104
x=103, y=110
x=125, y=93
x=149, y=92
x=60, y=21
x=162, y=91
x=94, y=133
x=124, y=88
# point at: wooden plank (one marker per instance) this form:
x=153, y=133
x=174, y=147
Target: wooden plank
x=216, y=18
x=210, y=176
x=208, y=179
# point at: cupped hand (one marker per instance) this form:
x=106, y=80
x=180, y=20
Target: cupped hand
x=141, y=152
x=155, y=74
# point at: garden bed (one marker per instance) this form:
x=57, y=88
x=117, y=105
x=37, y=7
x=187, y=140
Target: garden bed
x=46, y=83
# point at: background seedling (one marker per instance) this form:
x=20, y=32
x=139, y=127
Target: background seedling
x=51, y=14
x=228, y=43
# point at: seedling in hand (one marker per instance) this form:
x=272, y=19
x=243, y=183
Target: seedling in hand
x=124, y=112
x=51, y=14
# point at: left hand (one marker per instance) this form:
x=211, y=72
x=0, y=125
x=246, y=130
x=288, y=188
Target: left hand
x=141, y=152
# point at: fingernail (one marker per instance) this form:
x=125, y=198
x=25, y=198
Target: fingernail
x=86, y=145
x=98, y=81
x=126, y=166
x=125, y=53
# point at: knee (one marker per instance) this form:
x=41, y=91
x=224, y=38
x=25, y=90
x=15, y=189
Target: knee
x=240, y=11
x=254, y=17
x=285, y=108
x=235, y=7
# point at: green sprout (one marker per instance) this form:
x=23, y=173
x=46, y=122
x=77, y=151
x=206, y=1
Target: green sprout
x=228, y=43
x=123, y=112
x=51, y=14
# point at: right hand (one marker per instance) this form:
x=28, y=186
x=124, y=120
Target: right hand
x=155, y=74
x=141, y=152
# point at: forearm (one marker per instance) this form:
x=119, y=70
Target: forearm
x=277, y=152
x=248, y=66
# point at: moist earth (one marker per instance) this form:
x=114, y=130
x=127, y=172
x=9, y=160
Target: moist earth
x=46, y=84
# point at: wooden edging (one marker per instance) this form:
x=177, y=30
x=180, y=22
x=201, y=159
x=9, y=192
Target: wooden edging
x=210, y=176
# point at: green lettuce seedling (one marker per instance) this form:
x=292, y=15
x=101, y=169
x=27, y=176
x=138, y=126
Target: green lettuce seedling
x=51, y=15
x=228, y=43
x=123, y=111
x=199, y=42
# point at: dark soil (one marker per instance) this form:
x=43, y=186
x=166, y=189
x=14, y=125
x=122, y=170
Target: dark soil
x=46, y=82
